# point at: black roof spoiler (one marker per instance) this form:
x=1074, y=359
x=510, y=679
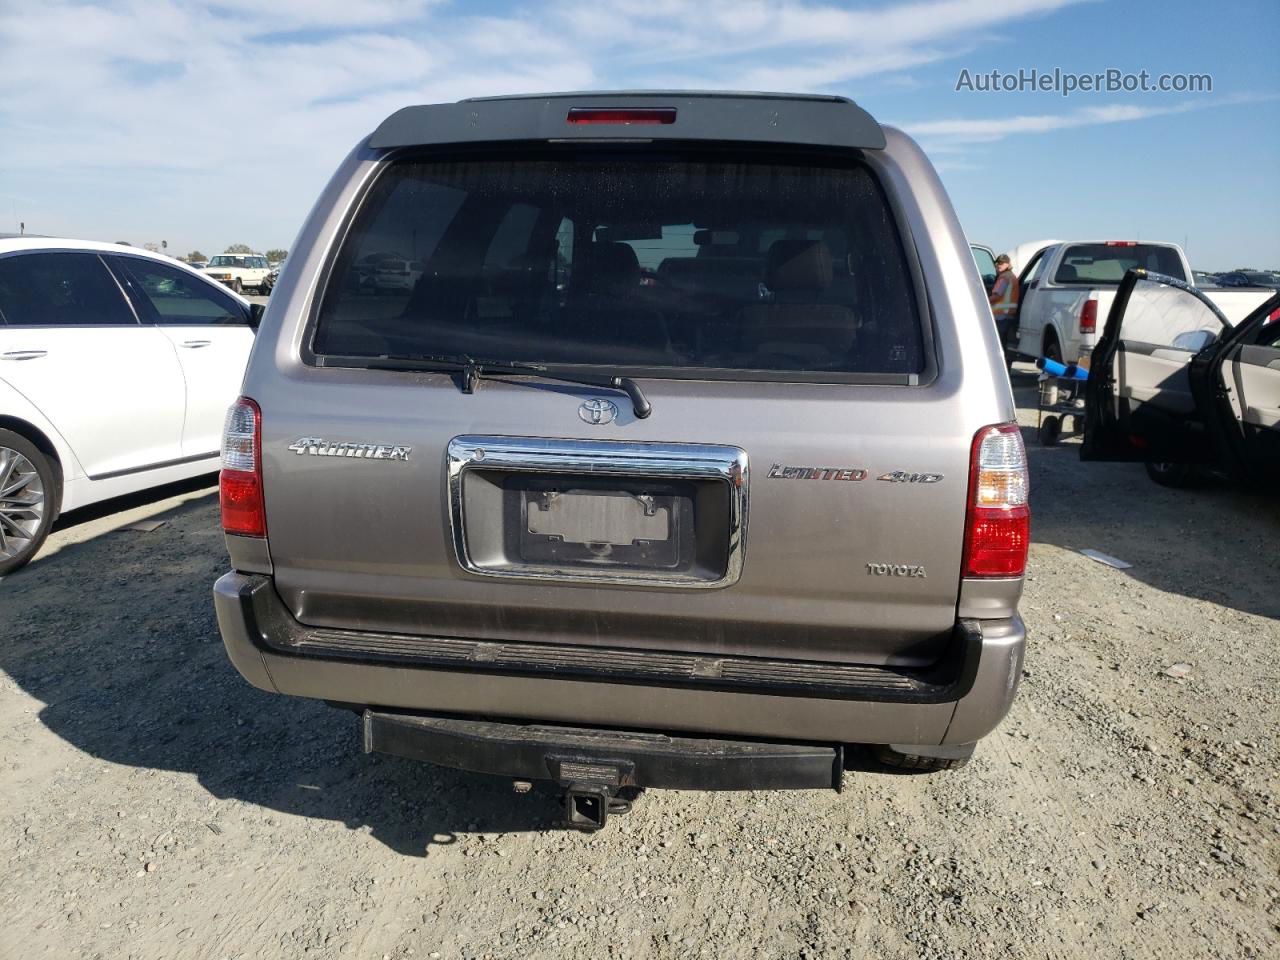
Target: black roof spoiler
x=755, y=117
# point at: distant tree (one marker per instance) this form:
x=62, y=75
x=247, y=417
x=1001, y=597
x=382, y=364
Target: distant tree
x=276, y=255
x=152, y=247
x=239, y=248
x=124, y=243
x=195, y=255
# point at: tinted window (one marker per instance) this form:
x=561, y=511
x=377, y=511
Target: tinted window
x=688, y=262
x=1100, y=263
x=60, y=289
x=164, y=294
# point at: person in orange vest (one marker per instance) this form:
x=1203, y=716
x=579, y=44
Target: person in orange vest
x=1004, y=300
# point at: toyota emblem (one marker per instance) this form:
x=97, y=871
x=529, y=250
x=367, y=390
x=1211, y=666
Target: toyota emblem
x=597, y=411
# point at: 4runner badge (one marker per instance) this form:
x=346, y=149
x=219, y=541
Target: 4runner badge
x=318, y=447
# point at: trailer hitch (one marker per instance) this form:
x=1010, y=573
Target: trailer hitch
x=586, y=806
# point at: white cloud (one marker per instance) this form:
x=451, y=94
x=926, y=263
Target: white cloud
x=939, y=135
x=219, y=122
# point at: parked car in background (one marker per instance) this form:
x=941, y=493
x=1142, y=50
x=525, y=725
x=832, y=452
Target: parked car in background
x=1248, y=278
x=197, y=264
x=116, y=370
x=1068, y=288
x=539, y=565
x=1176, y=385
x=985, y=260
x=394, y=273
x=241, y=271
x=1203, y=278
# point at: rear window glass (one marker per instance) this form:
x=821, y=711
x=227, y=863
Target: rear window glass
x=666, y=263
x=1100, y=263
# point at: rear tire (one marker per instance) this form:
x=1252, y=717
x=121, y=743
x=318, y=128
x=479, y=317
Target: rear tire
x=925, y=764
x=1050, y=431
x=1052, y=349
x=28, y=500
x=1178, y=476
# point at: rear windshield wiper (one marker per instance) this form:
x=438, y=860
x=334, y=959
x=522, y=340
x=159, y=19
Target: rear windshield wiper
x=473, y=369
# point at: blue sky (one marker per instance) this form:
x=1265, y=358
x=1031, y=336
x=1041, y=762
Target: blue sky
x=210, y=124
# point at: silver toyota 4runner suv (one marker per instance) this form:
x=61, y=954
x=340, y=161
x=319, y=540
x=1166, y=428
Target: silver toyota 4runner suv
x=689, y=459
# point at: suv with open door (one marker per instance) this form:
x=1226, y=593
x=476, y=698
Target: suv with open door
x=1173, y=384
x=687, y=459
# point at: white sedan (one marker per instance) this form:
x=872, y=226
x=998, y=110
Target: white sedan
x=116, y=370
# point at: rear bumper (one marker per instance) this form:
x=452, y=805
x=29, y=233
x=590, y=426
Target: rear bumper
x=958, y=701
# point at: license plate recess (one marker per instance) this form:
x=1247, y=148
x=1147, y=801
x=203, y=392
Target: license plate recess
x=644, y=514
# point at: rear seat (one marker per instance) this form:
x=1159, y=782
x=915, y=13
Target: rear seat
x=797, y=324
x=722, y=278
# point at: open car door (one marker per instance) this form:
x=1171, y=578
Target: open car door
x=1244, y=379
x=1139, y=402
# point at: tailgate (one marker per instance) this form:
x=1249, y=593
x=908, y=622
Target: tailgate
x=766, y=519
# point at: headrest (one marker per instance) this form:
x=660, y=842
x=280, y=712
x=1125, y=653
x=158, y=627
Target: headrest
x=798, y=265
x=1067, y=274
x=609, y=269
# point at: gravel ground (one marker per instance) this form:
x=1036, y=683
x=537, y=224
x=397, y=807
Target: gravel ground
x=152, y=805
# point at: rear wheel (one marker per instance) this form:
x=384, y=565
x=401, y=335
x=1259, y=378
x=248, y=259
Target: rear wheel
x=27, y=496
x=1052, y=349
x=938, y=758
x=1050, y=431
x=1176, y=475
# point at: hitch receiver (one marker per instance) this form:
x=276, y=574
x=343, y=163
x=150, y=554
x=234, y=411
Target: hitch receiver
x=586, y=807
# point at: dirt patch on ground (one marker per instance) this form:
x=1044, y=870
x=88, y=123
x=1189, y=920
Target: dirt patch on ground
x=155, y=806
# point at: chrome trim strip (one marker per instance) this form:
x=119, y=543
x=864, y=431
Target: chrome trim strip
x=213, y=455
x=684, y=461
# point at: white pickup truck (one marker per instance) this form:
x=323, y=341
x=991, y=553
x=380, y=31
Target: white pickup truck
x=1067, y=289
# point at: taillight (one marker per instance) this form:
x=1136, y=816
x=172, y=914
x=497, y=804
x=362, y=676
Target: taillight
x=998, y=526
x=622, y=117
x=240, y=482
x=1121, y=243
x=1089, y=316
